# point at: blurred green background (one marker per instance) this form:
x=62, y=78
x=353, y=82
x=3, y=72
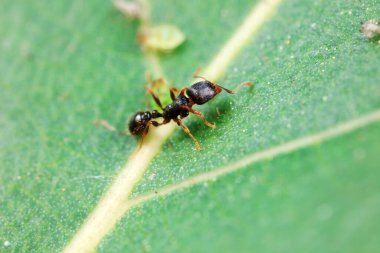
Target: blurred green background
x=64, y=64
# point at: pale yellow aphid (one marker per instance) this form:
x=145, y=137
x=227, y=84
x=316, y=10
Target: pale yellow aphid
x=163, y=38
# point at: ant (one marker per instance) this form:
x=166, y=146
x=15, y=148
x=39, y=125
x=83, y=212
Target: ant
x=197, y=94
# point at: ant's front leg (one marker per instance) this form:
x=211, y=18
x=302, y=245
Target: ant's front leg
x=156, y=124
x=199, y=114
x=143, y=135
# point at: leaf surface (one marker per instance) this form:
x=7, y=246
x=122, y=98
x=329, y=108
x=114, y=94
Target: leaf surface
x=64, y=65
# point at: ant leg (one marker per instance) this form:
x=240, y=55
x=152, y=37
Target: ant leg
x=199, y=114
x=145, y=133
x=153, y=82
x=172, y=93
x=156, y=99
x=183, y=91
x=141, y=142
x=156, y=124
x=179, y=122
x=236, y=89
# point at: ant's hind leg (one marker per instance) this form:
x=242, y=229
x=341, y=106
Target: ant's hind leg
x=199, y=114
x=179, y=122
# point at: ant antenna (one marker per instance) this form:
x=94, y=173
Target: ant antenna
x=237, y=88
x=196, y=75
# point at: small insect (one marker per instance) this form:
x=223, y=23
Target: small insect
x=197, y=94
x=162, y=38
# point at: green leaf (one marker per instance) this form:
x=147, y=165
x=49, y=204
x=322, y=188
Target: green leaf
x=64, y=65
x=304, y=201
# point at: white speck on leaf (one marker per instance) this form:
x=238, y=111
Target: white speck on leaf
x=7, y=243
x=359, y=154
x=152, y=176
x=370, y=28
x=131, y=9
x=324, y=212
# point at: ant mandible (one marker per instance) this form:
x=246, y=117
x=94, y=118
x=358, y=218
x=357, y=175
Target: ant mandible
x=197, y=94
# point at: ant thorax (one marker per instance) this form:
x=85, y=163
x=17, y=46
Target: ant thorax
x=177, y=108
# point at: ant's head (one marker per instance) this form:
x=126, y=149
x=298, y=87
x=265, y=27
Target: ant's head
x=140, y=121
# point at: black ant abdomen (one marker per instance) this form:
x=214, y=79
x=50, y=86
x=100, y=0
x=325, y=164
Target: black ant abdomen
x=202, y=92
